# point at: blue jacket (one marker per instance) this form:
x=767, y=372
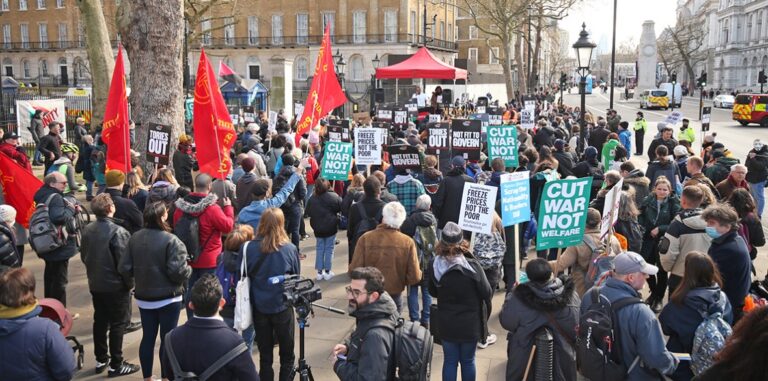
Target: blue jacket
x=639, y=335
x=731, y=255
x=33, y=349
x=625, y=137
x=267, y=298
x=251, y=214
x=679, y=321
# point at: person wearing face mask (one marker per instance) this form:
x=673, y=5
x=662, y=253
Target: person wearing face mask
x=686, y=133
x=757, y=172
x=730, y=253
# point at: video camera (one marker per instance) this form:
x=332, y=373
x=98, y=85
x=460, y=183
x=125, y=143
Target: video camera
x=297, y=291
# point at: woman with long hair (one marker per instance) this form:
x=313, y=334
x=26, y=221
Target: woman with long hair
x=627, y=224
x=136, y=190
x=323, y=210
x=698, y=296
x=230, y=259
x=166, y=174
x=272, y=254
x=751, y=227
x=157, y=259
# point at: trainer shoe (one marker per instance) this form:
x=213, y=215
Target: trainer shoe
x=491, y=339
x=101, y=366
x=319, y=276
x=123, y=370
x=328, y=275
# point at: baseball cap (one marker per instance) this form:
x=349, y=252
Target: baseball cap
x=458, y=161
x=630, y=262
x=10, y=135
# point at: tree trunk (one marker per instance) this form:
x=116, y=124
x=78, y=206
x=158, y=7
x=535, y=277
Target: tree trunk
x=535, y=55
x=507, y=67
x=153, y=35
x=100, y=58
x=522, y=74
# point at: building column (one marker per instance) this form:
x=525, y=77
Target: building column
x=281, y=85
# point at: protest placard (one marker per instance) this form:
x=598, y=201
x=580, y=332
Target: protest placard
x=530, y=105
x=404, y=156
x=248, y=115
x=674, y=118
x=272, y=121
x=515, y=198
x=465, y=138
x=526, y=119
x=298, y=109
x=610, y=210
x=412, y=106
x=502, y=142
x=480, y=110
x=706, y=115
x=438, y=137
x=338, y=130
x=384, y=114
x=337, y=161
x=368, y=146
x=494, y=116
x=477, y=208
x=435, y=118
x=400, y=117
x=158, y=143
x=563, y=213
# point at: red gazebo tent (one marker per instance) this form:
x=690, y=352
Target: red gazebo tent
x=422, y=64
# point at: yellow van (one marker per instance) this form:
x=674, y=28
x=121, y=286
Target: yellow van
x=654, y=98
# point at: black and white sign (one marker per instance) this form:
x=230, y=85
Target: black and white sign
x=384, y=114
x=158, y=143
x=338, y=130
x=526, y=118
x=248, y=115
x=465, y=138
x=368, y=143
x=438, y=137
x=477, y=208
x=404, y=156
x=706, y=115
x=494, y=116
x=400, y=117
x=435, y=118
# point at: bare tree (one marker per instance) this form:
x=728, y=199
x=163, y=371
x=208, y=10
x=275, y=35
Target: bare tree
x=667, y=51
x=101, y=62
x=686, y=40
x=545, y=13
x=198, y=11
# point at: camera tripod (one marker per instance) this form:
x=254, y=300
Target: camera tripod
x=303, y=310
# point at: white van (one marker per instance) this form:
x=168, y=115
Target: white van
x=678, y=93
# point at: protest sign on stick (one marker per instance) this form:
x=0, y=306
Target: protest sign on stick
x=563, y=213
x=368, y=146
x=610, y=210
x=437, y=139
x=338, y=130
x=158, y=143
x=515, y=198
x=477, y=208
x=337, y=161
x=465, y=138
x=502, y=143
x=404, y=156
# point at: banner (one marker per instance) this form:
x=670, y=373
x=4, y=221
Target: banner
x=502, y=142
x=465, y=138
x=337, y=161
x=674, y=118
x=325, y=93
x=116, y=131
x=19, y=188
x=338, y=130
x=158, y=143
x=515, y=198
x=404, y=156
x=214, y=132
x=52, y=110
x=477, y=208
x=563, y=213
x=368, y=143
x=610, y=212
x=438, y=137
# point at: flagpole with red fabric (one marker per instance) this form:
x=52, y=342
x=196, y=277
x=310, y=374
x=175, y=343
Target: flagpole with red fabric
x=212, y=123
x=116, y=129
x=19, y=188
x=325, y=94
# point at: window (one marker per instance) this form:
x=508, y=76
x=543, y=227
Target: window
x=229, y=31
x=301, y=68
x=442, y=30
x=356, y=67
x=22, y=5
x=749, y=28
x=43, y=34
x=759, y=25
x=449, y=31
x=472, y=54
x=414, y=27
x=455, y=33
x=7, y=36
x=63, y=35
x=329, y=19
x=390, y=26
x=253, y=30
x=358, y=27
x=4, y=5
x=277, y=29
x=40, y=4
x=493, y=56
x=254, y=71
x=724, y=34
x=473, y=32
x=205, y=26
x=44, y=68
x=25, y=69
x=80, y=35
x=59, y=3
x=302, y=28
x=24, y=29
x=8, y=65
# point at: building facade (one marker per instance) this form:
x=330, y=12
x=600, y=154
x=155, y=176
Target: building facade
x=742, y=43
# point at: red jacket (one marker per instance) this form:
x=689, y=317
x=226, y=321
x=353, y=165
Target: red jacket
x=312, y=171
x=16, y=155
x=213, y=221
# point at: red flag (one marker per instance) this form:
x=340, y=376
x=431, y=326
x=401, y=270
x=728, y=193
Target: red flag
x=116, y=130
x=229, y=75
x=19, y=187
x=325, y=94
x=213, y=126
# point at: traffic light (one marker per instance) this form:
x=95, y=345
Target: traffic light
x=761, y=78
x=673, y=78
x=563, y=79
x=702, y=81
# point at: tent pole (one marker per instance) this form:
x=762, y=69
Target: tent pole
x=397, y=88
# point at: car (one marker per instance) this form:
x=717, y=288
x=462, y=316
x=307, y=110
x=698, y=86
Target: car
x=723, y=101
x=654, y=98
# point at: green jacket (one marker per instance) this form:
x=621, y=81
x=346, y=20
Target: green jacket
x=687, y=134
x=609, y=151
x=641, y=125
x=653, y=215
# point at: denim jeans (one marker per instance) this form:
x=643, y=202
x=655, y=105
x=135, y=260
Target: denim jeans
x=196, y=274
x=413, y=302
x=293, y=215
x=455, y=353
x=324, y=252
x=165, y=319
x=758, y=193
x=88, y=188
x=248, y=335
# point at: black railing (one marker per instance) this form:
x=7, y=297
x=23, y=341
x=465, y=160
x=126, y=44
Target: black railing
x=298, y=41
x=46, y=45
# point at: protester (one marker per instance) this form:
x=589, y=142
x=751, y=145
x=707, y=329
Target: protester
x=105, y=243
x=65, y=165
x=598, y=136
x=736, y=180
x=323, y=209
x=625, y=136
x=611, y=178
x=421, y=224
x=10, y=255
x=698, y=297
x=451, y=189
x=564, y=159
x=353, y=195
x=458, y=282
x=183, y=162
x=694, y=166
x=757, y=172
x=262, y=199
x=272, y=254
x=50, y=145
x=751, y=229
x=664, y=140
x=205, y=339
x=10, y=146
x=542, y=302
x=390, y=251
x=719, y=167
x=627, y=225
x=406, y=189
x=127, y=214
x=294, y=203
x=157, y=261
x=32, y=347
x=136, y=190
x=386, y=195
x=665, y=167
x=37, y=130
x=364, y=215
x=635, y=180
x=231, y=260
x=372, y=340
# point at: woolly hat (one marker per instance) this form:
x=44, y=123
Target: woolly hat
x=114, y=178
x=680, y=151
x=185, y=139
x=590, y=152
x=709, y=138
x=559, y=144
x=451, y=234
x=248, y=164
x=7, y=214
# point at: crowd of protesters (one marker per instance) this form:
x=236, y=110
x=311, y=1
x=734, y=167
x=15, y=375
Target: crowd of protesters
x=689, y=226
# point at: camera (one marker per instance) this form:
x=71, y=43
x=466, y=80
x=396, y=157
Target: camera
x=298, y=291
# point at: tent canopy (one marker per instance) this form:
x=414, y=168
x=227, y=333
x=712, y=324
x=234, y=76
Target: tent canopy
x=422, y=64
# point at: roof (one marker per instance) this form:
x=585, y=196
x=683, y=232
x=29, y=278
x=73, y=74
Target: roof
x=422, y=64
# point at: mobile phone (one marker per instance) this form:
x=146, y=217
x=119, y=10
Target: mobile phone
x=341, y=357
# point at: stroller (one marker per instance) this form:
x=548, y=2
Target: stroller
x=55, y=311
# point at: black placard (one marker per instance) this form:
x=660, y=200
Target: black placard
x=158, y=143
x=438, y=137
x=465, y=138
x=338, y=130
x=404, y=156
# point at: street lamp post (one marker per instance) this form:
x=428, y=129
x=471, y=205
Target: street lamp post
x=583, y=48
x=340, y=65
x=376, y=61
x=674, y=81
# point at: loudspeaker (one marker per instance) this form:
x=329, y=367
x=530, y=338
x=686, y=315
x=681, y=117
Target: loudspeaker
x=447, y=96
x=379, y=95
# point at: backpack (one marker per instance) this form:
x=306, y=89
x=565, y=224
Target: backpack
x=228, y=280
x=708, y=339
x=600, y=263
x=180, y=375
x=188, y=231
x=44, y=235
x=598, y=353
x=489, y=250
x=426, y=240
x=411, y=349
x=366, y=223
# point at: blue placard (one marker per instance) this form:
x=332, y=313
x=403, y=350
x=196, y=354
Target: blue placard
x=515, y=198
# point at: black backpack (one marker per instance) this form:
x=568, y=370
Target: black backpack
x=411, y=350
x=180, y=375
x=366, y=223
x=187, y=228
x=598, y=351
x=44, y=236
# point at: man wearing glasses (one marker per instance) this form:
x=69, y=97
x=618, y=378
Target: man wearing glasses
x=362, y=356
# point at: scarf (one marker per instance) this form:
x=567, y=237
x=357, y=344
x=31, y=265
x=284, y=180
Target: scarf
x=737, y=185
x=14, y=312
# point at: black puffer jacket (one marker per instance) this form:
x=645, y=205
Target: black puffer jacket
x=757, y=167
x=323, y=211
x=104, y=244
x=158, y=261
x=9, y=256
x=62, y=213
x=183, y=165
x=451, y=189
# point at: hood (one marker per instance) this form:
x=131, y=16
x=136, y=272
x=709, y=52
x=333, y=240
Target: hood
x=443, y=264
x=196, y=203
x=551, y=296
x=14, y=318
x=727, y=161
x=432, y=174
x=692, y=219
x=707, y=300
x=162, y=191
x=402, y=179
x=43, y=193
x=62, y=160
x=456, y=172
x=248, y=178
x=423, y=218
x=640, y=180
x=383, y=308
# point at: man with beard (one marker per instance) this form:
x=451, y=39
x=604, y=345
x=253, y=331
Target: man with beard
x=362, y=356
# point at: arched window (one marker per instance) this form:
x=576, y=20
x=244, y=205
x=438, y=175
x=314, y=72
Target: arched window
x=356, y=67
x=301, y=68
